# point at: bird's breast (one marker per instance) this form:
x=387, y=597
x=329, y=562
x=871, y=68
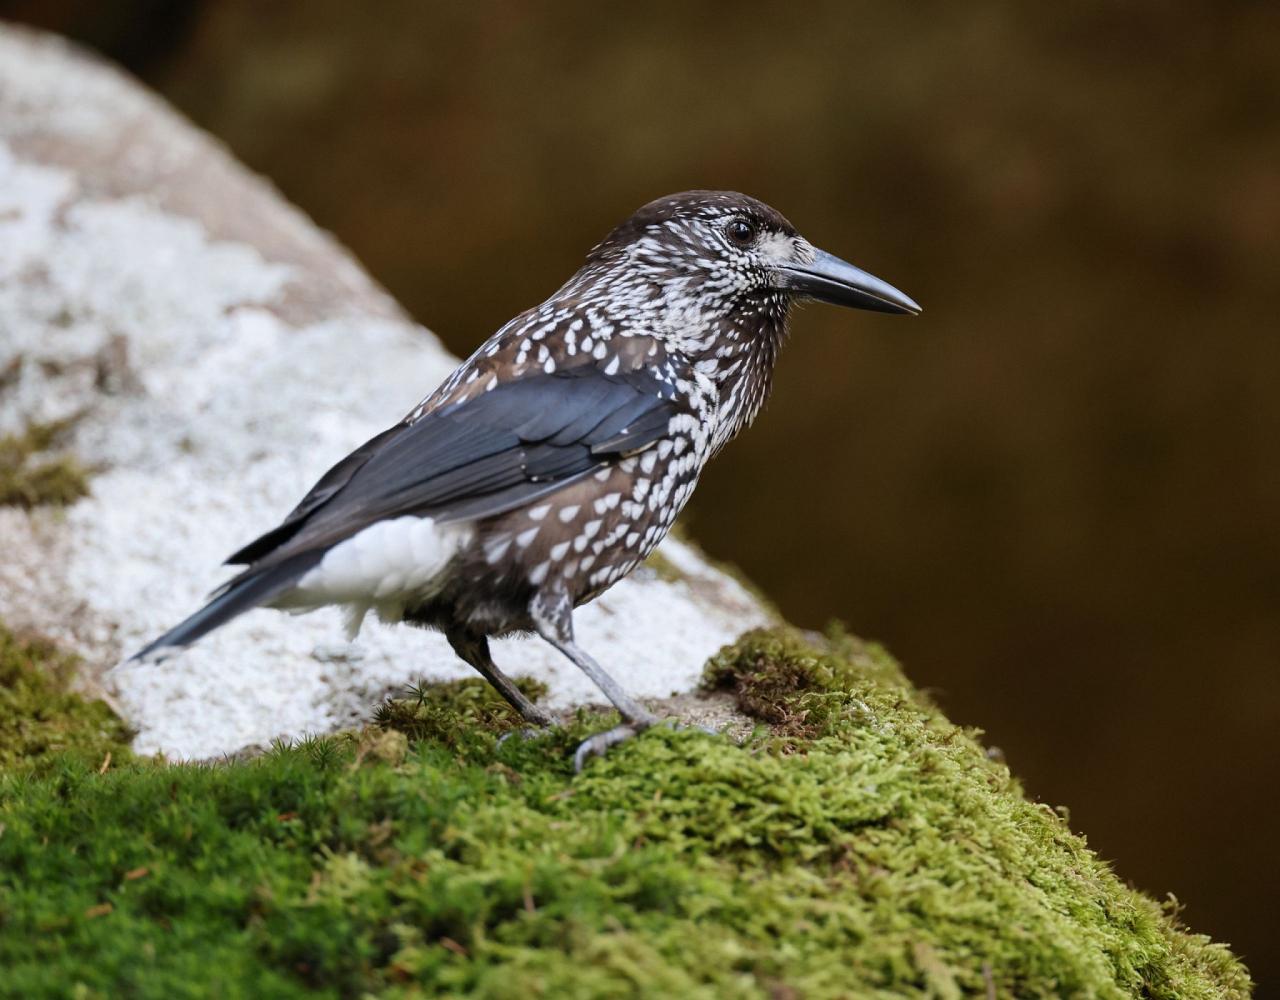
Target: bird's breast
x=588, y=535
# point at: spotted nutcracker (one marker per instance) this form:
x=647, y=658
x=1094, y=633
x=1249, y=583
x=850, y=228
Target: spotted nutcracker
x=556, y=457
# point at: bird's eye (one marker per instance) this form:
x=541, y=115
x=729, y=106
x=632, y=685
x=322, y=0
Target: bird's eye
x=740, y=232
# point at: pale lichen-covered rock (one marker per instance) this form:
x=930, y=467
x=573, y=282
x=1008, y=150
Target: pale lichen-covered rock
x=221, y=352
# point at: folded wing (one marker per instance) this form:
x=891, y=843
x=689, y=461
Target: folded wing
x=497, y=451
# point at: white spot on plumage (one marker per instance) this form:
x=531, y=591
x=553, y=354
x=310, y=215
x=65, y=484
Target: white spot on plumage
x=559, y=551
x=568, y=513
x=539, y=573
x=496, y=548
x=539, y=512
x=525, y=538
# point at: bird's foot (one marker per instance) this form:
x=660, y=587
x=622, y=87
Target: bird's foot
x=527, y=734
x=599, y=744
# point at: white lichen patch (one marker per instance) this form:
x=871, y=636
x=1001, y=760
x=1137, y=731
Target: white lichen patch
x=48, y=89
x=206, y=415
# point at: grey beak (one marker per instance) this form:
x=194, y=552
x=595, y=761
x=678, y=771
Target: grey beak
x=830, y=279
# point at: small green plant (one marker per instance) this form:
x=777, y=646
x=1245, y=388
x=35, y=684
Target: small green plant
x=30, y=478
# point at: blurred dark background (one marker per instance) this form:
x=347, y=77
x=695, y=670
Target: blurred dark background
x=1056, y=496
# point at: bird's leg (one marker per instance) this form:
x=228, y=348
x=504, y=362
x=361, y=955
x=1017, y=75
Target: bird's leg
x=474, y=649
x=553, y=618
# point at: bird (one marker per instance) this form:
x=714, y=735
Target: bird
x=556, y=457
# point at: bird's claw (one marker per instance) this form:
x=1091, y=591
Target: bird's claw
x=599, y=744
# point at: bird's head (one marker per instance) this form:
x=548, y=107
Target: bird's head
x=731, y=254
x=713, y=274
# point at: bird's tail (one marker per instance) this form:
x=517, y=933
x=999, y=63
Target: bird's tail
x=252, y=588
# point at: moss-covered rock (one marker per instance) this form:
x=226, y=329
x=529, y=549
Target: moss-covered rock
x=857, y=846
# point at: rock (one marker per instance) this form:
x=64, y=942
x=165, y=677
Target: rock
x=219, y=352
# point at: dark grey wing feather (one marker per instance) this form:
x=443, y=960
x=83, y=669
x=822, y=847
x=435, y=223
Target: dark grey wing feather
x=640, y=431
x=480, y=457
x=591, y=398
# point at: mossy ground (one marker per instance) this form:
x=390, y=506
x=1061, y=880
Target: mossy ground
x=857, y=846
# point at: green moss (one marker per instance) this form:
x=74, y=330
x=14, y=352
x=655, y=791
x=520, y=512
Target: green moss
x=465, y=714
x=40, y=719
x=28, y=480
x=799, y=687
x=862, y=847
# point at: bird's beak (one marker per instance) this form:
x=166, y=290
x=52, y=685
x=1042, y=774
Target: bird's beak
x=830, y=279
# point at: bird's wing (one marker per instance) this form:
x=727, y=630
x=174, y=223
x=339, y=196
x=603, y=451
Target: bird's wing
x=486, y=455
